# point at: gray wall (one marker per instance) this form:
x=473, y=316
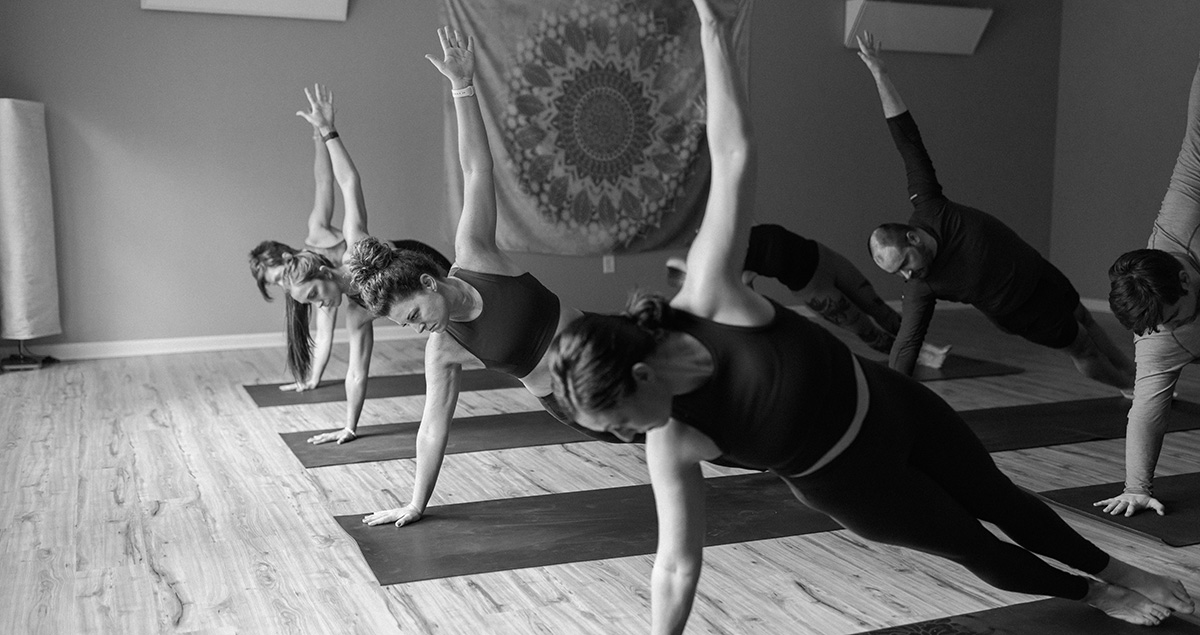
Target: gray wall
x=174, y=147
x=1125, y=72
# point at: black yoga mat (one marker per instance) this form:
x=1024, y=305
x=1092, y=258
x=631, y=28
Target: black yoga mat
x=1043, y=617
x=378, y=387
x=535, y=531
x=1180, y=527
x=467, y=434
x=959, y=367
x=1043, y=424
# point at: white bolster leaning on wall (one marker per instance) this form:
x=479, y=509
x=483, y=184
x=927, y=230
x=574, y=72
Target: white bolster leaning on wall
x=28, y=270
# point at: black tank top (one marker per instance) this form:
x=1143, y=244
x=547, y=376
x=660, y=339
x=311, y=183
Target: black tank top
x=777, y=253
x=781, y=395
x=516, y=326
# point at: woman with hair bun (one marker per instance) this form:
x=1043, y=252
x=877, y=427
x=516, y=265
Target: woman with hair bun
x=488, y=309
x=318, y=276
x=721, y=371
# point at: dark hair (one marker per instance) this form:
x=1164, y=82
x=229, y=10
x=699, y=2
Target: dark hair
x=267, y=254
x=1144, y=283
x=889, y=235
x=591, y=360
x=383, y=275
x=420, y=247
x=300, y=266
x=299, y=338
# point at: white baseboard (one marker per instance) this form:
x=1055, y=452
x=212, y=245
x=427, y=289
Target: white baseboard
x=173, y=345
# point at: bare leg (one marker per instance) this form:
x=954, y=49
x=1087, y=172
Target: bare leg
x=850, y=281
x=821, y=295
x=1095, y=363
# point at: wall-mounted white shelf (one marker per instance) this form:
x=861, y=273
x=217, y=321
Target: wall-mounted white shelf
x=919, y=28
x=305, y=9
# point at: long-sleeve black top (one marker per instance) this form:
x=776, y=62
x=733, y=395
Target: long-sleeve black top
x=979, y=260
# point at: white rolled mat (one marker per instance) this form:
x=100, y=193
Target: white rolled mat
x=28, y=273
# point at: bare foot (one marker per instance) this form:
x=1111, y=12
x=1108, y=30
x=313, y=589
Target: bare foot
x=1124, y=604
x=933, y=356
x=1160, y=589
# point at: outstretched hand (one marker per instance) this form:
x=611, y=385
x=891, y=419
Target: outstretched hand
x=400, y=516
x=868, y=52
x=299, y=386
x=1129, y=504
x=458, y=56
x=320, y=113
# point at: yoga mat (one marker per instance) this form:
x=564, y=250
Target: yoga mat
x=536, y=531
x=378, y=387
x=467, y=434
x=959, y=367
x=1043, y=617
x=1180, y=527
x=1043, y=424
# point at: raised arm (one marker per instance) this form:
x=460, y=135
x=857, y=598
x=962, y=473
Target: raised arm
x=922, y=180
x=320, y=219
x=476, y=234
x=868, y=52
x=715, y=260
x=320, y=115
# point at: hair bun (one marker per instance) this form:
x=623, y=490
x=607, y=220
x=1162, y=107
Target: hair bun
x=649, y=311
x=372, y=256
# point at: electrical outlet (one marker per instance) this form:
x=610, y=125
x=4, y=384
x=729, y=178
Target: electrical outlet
x=609, y=263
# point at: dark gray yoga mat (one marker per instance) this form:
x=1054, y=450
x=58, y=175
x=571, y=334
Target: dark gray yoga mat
x=381, y=386
x=959, y=367
x=467, y=434
x=378, y=387
x=1180, y=527
x=1043, y=424
x=536, y=531
x=1042, y=617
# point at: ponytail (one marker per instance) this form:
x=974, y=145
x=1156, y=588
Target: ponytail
x=299, y=339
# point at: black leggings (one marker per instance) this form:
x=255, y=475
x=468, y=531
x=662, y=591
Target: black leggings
x=917, y=477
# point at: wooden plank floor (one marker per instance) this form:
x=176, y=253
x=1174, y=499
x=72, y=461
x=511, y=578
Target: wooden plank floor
x=149, y=495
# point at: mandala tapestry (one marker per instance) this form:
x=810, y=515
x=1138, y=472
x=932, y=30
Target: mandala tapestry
x=595, y=116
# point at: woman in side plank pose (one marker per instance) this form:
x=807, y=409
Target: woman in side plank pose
x=721, y=371
x=488, y=308
x=317, y=274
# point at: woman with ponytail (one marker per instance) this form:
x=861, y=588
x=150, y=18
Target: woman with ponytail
x=488, y=309
x=318, y=276
x=721, y=371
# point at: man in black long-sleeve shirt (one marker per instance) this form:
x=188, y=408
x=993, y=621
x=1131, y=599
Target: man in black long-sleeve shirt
x=954, y=252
